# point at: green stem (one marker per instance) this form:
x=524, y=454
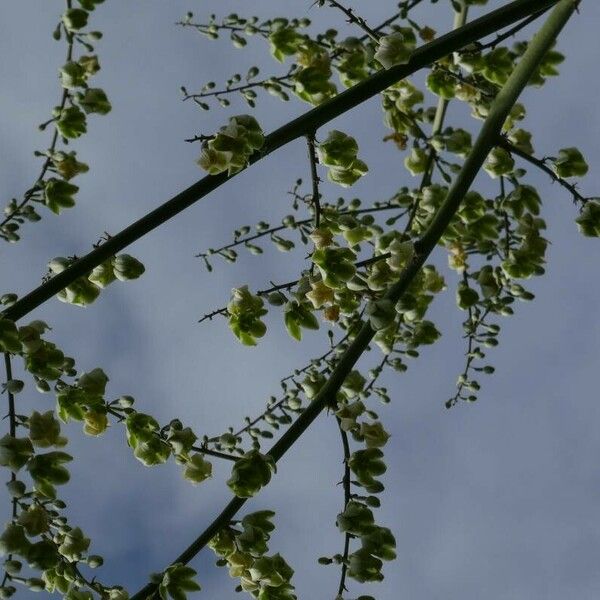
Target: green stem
x=460, y=19
x=303, y=125
x=486, y=140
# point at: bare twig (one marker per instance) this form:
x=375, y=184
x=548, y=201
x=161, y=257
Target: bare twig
x=347, y=497
x=351, y=17
x=316, y=196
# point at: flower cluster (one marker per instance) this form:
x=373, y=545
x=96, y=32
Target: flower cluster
x=245, y=311
x=231, y=148
x=69, y=118
x=339, y=153
x=243, y=548
x=85, y=290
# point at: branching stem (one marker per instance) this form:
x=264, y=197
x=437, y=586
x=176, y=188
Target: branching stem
x=351, y=17
x=347, y=496
x=310, y=121
x=486, y=140
x=30, y=193
x=540, y=163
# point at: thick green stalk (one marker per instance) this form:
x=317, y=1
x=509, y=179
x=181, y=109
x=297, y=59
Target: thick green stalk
x=460, y=19
x=305, y=124
x=486, y=140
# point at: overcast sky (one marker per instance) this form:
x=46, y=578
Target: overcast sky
x=496, y=500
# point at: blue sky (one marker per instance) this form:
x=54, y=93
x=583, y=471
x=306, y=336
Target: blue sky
x=497, y=499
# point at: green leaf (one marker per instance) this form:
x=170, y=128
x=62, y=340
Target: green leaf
x=96, y=422
x=466, y=296
x=364, y=567
x=93, y=383
x=15, y=452
x=34, y=520
x=47, y=469
x=396, y=48
x=9, y=336
x=499, y=163
x=298, y=316
x=43, y=555
x=75, y=19
x=570, y=163
x=58, y=194
x=103, y=274
x=250, y=473
x=13, y=540
x=380, y=542
x=197, y=469
x=442, y=84
x=89, y=4
x=94, y=100
x=71, y=122
x=72, y=75
x=374, y=435
x=338, y=150
x=74, y=544
x=44, y=429
x=127, y=267
x=356, y=518
x=176, y=581
x=336, y=265
x=589, y=219
x=67, y=164
x=245, y=310
x=271, y=571
x=284, y=42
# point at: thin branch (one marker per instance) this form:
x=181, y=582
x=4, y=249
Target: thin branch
x=214, y=313
x=316, y=196
x=277, y=405
x=321, y=358
x=207, y=451
x=204, y=28
x=290, y=284
x=473, y=324
x=513, y=31
x=405, y=8
x=379, y=368
x=199, y=138
x=459, y=77
x=507, y=230
x=282, y=80
x=36, y=187
x=347, y=497
x=540, y=163
x=351, y=17
x=300, y=224
x=12, y=419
